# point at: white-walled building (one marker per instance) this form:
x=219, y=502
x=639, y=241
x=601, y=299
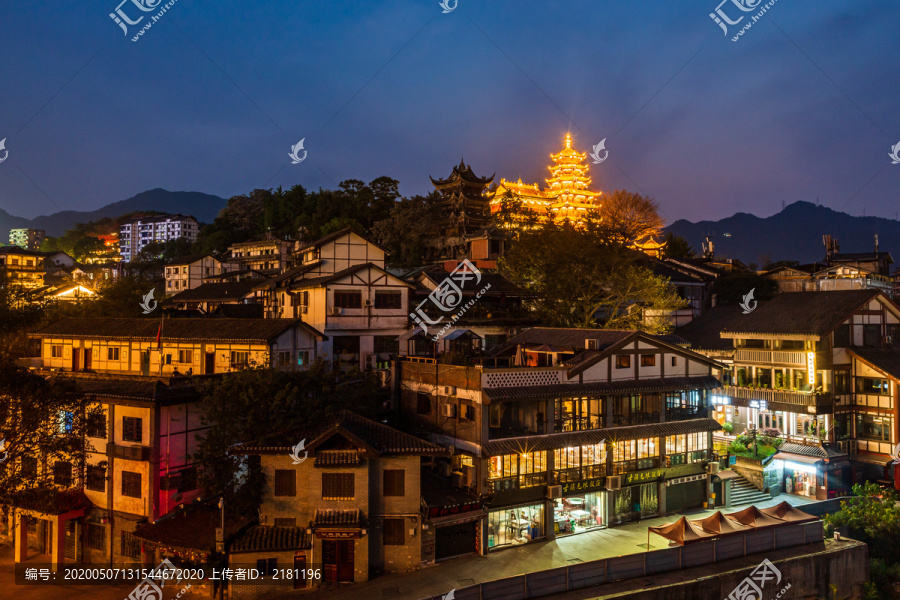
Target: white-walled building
x=136, y=234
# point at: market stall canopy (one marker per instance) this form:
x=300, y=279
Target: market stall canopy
x=786, y=512
x=681, y=532
x=753, y=517
x=718, y=524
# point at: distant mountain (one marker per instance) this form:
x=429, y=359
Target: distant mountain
x=793, y=234
x=204, y=207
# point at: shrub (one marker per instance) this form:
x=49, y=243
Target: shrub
x=728, y=427
x=737, y=447
x=772, y=432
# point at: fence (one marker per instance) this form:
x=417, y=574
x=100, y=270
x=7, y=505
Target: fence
x=644, y=564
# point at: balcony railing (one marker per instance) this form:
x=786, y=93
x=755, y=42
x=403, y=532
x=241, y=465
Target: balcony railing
x=795, y=397
x=635, y=419
x=777, y=357
x=577, y=424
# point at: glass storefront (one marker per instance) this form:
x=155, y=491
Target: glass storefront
x=516, y=471
x=515, y=525
x=800, y=479
x=576, y=514
x=636, y=500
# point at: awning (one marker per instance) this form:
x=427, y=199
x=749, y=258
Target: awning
x=457, y=519
x=874, y=459
x=727, y=474
x=810, y=460
x=460, y=332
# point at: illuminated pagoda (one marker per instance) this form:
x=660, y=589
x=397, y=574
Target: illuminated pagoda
x=567, y=195
x=464, y=209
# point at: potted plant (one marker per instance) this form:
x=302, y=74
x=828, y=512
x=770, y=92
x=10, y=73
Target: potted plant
x=728, y=427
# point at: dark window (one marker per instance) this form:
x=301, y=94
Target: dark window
x=648, y=360
x=393, y=532
x=394, y=482
x=842, y=336
x=388, y=299
x=132, y=429
x=873, y=427
x=870, y=385
x=348, y=299
x=674, y=361
x=871, y=335
x=623, y=361
x=423, y=404
x=285, y=521
x=112, y=353
x=285, y=482
x=62, y=474
x=841, y=382
x=95, y=536
x=131, y=546
x=131, y=484
x=386, y=344
x=468, y=412
x=337, y=486
x=96, y=425
x=267, y=566
x=96, y=479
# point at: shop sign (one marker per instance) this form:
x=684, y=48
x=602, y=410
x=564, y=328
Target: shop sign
x=643, y=476
x=586, y=485
x=443, y=511
x=760, y=404
x=337, y=535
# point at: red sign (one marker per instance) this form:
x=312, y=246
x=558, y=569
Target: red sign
x=337, y=535
x=443, y=511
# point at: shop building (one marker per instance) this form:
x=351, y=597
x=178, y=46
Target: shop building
x=566, y=430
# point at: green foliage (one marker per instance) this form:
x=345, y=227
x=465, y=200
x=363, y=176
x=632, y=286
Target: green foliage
x=32, y=423
x=268, y=406
x=728, y=427
x=678, y=247
x=87, y=247
x=737, y=447
x=587, y=278
x=407, y=229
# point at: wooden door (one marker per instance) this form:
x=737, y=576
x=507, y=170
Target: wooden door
x=337, y=560
x=299, y=571
x=210, y=363
x=76, y=359
x=88, y=354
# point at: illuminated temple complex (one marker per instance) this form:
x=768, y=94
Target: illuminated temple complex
x=567, y=195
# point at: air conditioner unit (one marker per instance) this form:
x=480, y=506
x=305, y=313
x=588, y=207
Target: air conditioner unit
x=448, y=410
x=713, y=467
x=370, y=360
x=888, y=339
x=336, y=311
x=469, y=476
x=368, y=302
x=614, y=482
x=554, y=491
x=304, y=310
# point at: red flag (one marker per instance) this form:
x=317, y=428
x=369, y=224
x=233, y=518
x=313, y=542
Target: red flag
x=159, y=337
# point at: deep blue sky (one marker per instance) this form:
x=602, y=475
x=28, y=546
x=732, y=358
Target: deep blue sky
x=212, y=97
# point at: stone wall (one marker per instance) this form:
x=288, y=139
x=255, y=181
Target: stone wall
x=750, y=470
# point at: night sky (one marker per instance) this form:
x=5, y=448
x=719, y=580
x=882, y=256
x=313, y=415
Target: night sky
x=213, y=96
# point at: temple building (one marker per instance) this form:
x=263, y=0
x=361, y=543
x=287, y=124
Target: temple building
x=464, y=210
x=567, y=195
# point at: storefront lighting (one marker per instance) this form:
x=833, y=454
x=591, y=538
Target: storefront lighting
x=803, y=468
x=811, y=368
x=721, y=400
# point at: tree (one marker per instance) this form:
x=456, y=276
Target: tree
x=262, y=405
x=88, y=246
x=407, y=229
x=678, y=247
x=628, y=217
x=584, y=280
x=44, y=424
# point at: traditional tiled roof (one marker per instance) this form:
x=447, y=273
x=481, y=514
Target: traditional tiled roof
x=703, y=331
x=311, y=282
x=809, y=450
x=231, y=330
x=134, y=387
x=499, y=284
x=562, y=339
x=270, y=539
x=51, y=501
x=800, y=313
x=19, y=250
x=337, y=458
x=333, y=236
x=217, y=292
x=884, y=359
x=192, y=527
x=534, y=443
x=380, y=438
x=331, y=517
x=565, y=390
x=186, y=260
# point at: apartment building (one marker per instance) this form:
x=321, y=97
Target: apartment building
x=172, y=346
x=822, y=369
x=27, y=239
x=340, y=287
x=266, y=256
x=189, y=272
x=351, y=506
x=22, y=267
x=137, y=233
x=567, y=430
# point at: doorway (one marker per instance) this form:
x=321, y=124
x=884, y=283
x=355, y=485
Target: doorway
x=299, y=570
x=76, y=359
x=210, y=364
x=87, y=359
x=337, y=560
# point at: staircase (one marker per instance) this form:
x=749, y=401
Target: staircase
x=744, y=492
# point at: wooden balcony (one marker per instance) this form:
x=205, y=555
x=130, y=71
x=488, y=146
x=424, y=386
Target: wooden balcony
x=770, y=357
x=797, y=398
